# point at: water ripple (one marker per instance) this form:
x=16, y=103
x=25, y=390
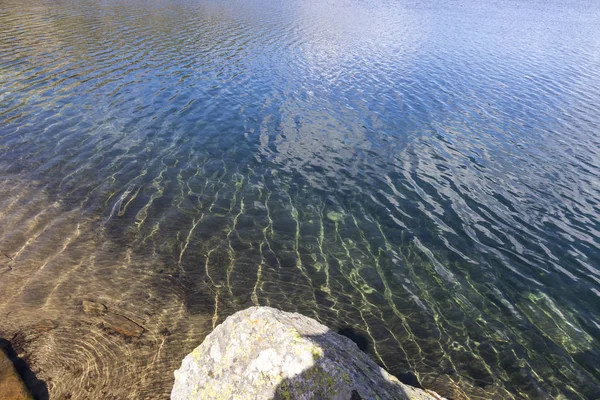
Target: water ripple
x=426, y=174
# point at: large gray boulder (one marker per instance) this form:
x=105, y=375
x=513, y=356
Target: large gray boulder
x=263, y=353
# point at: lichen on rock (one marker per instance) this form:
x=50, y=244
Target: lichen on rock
x=263, y=353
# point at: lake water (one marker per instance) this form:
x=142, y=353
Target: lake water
x=425, y=174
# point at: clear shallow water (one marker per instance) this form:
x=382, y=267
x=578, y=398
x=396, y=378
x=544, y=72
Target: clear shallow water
x=427, y=174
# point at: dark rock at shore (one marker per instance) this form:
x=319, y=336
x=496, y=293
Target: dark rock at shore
x=11, y=385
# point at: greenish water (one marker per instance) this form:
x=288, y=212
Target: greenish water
x=426, y=174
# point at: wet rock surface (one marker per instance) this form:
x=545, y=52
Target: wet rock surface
x=263, y=353
x=11, y=385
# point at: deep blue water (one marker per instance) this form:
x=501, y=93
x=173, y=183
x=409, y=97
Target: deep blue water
x=424, y=173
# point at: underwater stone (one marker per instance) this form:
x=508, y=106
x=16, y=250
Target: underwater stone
x=45, y=325
x=122, y=325
x=264, y=353
x=11, y=385
x=335, y=216
x=92, y=306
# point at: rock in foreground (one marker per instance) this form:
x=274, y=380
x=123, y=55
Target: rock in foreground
x=11, y=385
x=263, y=353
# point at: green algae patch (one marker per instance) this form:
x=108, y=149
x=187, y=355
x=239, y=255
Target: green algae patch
x=335, y=216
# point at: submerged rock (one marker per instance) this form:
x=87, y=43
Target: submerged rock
x=263, y=353
x=45, y=325
x=11, y=385
x=122, y=325
x=93, y=307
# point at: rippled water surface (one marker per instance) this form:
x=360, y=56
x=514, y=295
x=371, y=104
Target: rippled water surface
x=424, y=173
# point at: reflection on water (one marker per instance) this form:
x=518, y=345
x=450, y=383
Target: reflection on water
x=425, y=175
